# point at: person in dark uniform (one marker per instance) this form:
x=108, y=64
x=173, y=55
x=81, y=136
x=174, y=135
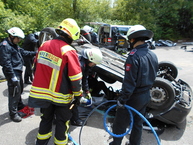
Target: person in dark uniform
x=11, y=60
x=31, y=44
x=88, y=59
x=141, y=69
x=94, y=35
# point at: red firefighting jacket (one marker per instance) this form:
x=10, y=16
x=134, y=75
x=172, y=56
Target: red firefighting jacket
x=57, y=75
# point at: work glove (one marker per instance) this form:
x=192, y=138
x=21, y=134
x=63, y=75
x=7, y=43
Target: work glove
x=121, y=101
x=77, y=100
x=15, y=81
x=87, y=100
x=88, y=95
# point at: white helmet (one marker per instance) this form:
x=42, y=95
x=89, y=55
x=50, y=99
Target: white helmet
x=93, y=55
x=15, y=31
x=138, y=31
x=37, y=33
x=87, y=28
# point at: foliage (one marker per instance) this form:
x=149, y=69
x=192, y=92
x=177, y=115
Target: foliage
x=165, y=18
x=171, y=19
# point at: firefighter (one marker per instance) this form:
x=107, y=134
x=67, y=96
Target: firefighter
x=57, y=80
x=141, y=69
x=94, y=35
x=12, y=63
x=88, y=59
x=30, y=43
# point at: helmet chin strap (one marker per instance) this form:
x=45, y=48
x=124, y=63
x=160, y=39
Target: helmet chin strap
x=11, y=38
x=132, y=43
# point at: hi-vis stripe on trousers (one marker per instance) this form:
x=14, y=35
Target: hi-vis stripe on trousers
x=62, y=115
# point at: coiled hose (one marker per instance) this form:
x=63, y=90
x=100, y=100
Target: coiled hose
x=131, y=124
x=105, y=125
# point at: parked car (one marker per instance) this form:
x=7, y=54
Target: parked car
x=113, y=37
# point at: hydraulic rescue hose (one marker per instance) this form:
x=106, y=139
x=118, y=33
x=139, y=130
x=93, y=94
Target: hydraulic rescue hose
x=105, y=125
x=70, y=138
x=131, y=116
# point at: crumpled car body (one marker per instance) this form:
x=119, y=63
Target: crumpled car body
x=171, y=100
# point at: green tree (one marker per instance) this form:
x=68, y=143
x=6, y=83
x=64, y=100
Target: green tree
x=185, y=22
x=165, y=18
x=168, y=19
x=92, y=10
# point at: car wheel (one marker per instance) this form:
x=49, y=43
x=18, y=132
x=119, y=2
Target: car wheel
x=47, y=33
x=167, y=69
x=85, y=35
x=162, y=95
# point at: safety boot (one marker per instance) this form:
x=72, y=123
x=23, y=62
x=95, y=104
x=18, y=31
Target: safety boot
x=77, y=122
x=16, y=118
x=21, y=114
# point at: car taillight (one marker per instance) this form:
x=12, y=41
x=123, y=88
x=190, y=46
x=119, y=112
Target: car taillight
x=109, y=39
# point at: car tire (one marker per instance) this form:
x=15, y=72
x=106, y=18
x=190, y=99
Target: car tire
x=47, y=33
x=86, y=35
x=165, y=68
x=162, y=95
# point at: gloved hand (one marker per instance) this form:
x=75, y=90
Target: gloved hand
x=77, y=100
x=88, y=95
x=121, y=102
x=15, y=81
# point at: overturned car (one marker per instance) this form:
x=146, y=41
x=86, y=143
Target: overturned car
x=171, y=99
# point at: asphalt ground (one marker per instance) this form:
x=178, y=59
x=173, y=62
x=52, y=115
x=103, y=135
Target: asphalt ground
x=93, y=133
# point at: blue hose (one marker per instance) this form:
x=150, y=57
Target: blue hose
x=70, y=138
x=131, y=124
x=94, y=109
x=105, y=116
x=118, y=135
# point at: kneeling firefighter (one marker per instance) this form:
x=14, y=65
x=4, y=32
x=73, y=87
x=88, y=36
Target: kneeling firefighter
x=57, y=80
x=88, y=59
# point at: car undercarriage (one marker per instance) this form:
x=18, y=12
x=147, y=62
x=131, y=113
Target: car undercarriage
x=171, y=99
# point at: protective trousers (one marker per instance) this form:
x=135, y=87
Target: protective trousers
x=75, y=113
x=28, y=70
x=62, y=115
x=139, y=102
x=14, y=94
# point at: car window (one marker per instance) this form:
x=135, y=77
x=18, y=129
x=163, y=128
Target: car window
x=123, y=30
x=106, y=29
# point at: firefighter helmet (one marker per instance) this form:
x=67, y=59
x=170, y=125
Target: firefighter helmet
x=87, y=28
x=70, y=27
x=37, y=33
x=139, y=31
x=93, y=55
x=17, y=32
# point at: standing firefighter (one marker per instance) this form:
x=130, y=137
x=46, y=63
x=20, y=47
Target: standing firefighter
x=141, y=68
x=11, y=60
x=57, y=80
x=30, y=43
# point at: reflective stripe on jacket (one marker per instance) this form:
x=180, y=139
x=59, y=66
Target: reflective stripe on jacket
x=57, y=74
